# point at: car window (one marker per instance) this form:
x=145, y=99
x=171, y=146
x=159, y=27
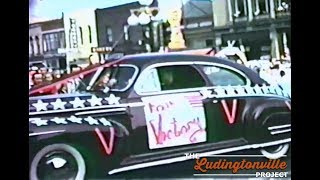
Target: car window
x=149, y=82
x=85, y=81
x=179, y=77
x=220, y=76
x=115, y=78
x=170, y=78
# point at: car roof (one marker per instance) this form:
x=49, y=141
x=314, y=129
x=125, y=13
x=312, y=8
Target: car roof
x=147, y=59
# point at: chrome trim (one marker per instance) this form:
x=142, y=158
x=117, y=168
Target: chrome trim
x=184, y=158
x=279, y=127
x=46, y=132
x=101, y=111
x=146, y=70
x=280, y=132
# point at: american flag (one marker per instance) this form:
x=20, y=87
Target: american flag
x=195, y=100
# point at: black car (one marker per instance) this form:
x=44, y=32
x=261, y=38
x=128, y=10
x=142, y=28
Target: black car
x=147, y=111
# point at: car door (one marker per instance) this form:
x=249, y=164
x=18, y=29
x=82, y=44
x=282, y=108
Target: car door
x=172, y=120
x=224, y=108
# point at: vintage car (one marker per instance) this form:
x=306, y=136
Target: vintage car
x=148, y=111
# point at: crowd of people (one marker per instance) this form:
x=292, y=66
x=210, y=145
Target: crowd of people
x=43, y=75
x=40, y=76
x=274, y=73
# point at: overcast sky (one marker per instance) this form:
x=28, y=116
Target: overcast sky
x=52, y=9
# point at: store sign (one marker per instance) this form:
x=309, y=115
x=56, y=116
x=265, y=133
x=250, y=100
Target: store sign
x=64, y=50
x=101, y=49
x=176, y=39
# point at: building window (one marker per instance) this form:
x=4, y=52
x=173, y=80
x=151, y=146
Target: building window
x=260, y=7
x=90, y=38
x=239, y=8
x=56, y=41
x=109, y=34
x=209, y=43
x=81, y=35
x=47, y=41
x=31, y=49
x=52, y=41
x=62, y=40
x=37, y=44
x=44, y=43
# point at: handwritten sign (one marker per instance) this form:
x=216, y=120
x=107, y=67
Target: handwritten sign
x=174, y=120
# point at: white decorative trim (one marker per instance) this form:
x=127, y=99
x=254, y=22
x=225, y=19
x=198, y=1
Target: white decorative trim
x=279, y=127
x=46, y=132
x=101, y=111
x=280, y=132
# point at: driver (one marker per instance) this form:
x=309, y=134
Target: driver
x=106, y=81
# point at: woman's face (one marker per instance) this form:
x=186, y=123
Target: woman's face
x=106, y=79
x=38, y=79
x=49, y=77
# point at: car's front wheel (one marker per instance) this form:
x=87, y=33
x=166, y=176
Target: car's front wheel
x=275, y=152
x=58, y=161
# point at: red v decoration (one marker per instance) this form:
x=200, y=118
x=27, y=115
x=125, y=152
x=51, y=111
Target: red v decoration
x=231, y=116
x=107, y=148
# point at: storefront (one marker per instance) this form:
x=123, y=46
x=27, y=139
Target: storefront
x=55, y=61
x=266, y=39
x=37, y=61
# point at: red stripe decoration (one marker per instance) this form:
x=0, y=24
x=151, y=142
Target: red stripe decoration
x=195, y=101
x=108, y=148
x=231, y=116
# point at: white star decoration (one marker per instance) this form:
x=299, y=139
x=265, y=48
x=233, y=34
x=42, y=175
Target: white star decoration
x=59, y=120
x=91, y=120
x=40, y=105
x=38, y=121
x=112, y=99
x=77, y=102
x=95, y=101
x=75, y=119
x=58, y=104
x=105, y=122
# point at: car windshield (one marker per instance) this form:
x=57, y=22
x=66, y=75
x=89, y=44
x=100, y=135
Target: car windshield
x=117, y=78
